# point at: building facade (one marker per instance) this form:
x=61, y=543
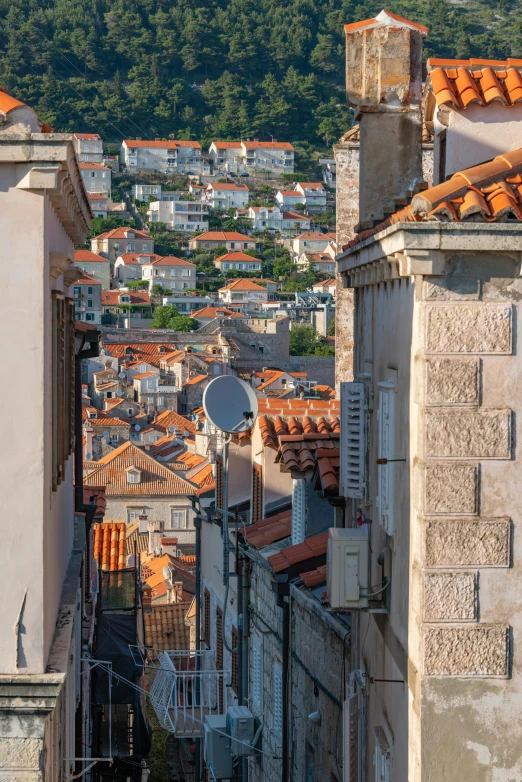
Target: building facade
x=94, y=265
x=179, y=215
x=163, y=157
x=88, y=147
x=96, y=178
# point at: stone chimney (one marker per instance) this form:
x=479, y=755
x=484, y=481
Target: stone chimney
x=178, y=591
x=88, y=432
x=154, y=529
x=384, y=84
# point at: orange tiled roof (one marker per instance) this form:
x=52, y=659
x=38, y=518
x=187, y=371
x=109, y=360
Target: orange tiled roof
x=87, y=136
x=134, y=143
x=195, y=380
x=314, y=577
x=325, y=392
x=236, y=256
x=171, y=260
x=215, y=312
x=460, y=83
x=226, y=186
x=119, y=233
x=86, y=279
x=144, y=374
x=223, y=236
x=300, y=424
x=292, y=194
x=107, y=421
x=156, y=478
x=325, y=283
x=243, y=284
x=8, y=103
x=301, y=552
x=489, y=192
x=267, y=145
x=112, y=298
x=169, y=418
x=311, y=185
x=96, y=166
x=204, y=477
x=269, y=530
x=227, y=144
x=382, y=18
x=142, y=351
x=165, y=627
x=109, y=545
x=295, y=216
x=86, y=256
x=190, y=460
x=89, y=413
x=275, y=375
x=132, y=259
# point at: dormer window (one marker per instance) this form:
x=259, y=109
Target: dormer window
x=130, y=235
x=124, y=299
x=133, y=475
x=161, y=348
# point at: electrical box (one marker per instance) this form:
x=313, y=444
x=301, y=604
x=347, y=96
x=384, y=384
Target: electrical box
x=240, y=723
x=347, y=568
x=217, y=753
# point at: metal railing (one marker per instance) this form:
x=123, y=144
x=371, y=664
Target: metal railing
x=186, y=688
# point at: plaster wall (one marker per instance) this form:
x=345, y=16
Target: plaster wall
x=479, y=133
x=156, y=509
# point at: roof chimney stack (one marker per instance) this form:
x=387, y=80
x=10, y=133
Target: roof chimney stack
x=384, y=83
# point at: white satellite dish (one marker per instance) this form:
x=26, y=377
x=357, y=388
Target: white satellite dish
x=170, y=408
x=106, y=435
x=88, y=456
x=132, y=560
x=172, y=428
x=230, y=404
x=123, y=374
x=166, y=572
x=137, y=427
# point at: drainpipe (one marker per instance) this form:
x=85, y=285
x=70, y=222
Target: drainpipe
x=197, y=525
x=244, y=637
x=281, y=587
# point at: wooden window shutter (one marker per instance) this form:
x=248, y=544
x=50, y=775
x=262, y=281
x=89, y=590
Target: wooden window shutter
x=234, y=660
x=257, y=493
x=219, y=653
x=298, y=510
x=354, y=440
x=257, y=672
x=206, y=619
x=385, y=472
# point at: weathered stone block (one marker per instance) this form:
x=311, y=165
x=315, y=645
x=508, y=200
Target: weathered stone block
x=452, y=381
x=451, y=488
x=462, y=542
x=481, y=650
x=20, y=752
x=438, y=290
x=468, y=328
x=449, y=596
x=461, y=434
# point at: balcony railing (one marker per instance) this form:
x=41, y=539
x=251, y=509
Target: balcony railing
x=181, y=695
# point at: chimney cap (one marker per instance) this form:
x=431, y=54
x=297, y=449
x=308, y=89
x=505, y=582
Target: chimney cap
x=386, y=19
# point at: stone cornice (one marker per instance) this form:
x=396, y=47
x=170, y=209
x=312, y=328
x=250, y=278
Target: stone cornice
x=47, y=162
x=420, y=248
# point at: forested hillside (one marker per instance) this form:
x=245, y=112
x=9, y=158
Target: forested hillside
x=214, y=68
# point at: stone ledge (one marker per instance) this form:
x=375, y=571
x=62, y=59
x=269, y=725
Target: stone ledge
x=480, y=651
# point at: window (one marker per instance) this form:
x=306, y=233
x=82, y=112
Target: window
x=89, y=316
x=115, y=438
x=185, y=272
x=77, y=291
x=257, y=493
x=257, y=673
x=382, y=756
x=234, y=678
x=130, y=247
x=385, y=472
x=89, y=290
x=89, y=303
x=278, y=699
x=354, y=418
x=133, y=476
x=178, y=518
x=298, y=510
x=206, y=618
x=134, y=515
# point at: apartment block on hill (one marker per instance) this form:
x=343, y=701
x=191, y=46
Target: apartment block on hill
x=272, y=218
x=231, y=240
x=88, y=147
x=87, y=299
x=179, y=215
x=170, y=272
x=238, y=261
x=96, y=178
x=227, y=195
x=239, y=157
x=244, y=293
x=114, y=243
x=163, y=157
x=94, y=265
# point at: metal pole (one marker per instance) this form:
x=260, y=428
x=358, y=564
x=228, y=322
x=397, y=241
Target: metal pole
x=197, y=525
x=245, y=583
x=224, y=534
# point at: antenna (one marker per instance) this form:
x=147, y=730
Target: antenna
x=230, y=404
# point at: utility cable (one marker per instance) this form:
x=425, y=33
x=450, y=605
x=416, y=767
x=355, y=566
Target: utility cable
x=84, y=77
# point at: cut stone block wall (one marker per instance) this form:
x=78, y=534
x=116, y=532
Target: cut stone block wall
x=462, y=542
x=481, y=650
x=449, y=596
x=468, y=328
x=452, y=381
x=451, y=488
x=468, y=434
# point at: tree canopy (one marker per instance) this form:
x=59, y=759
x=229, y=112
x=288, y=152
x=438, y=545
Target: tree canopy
x=215, y=69
x=168, y=317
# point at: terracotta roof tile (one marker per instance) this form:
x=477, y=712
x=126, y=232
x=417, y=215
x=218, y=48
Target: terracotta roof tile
x=86, y=256
x=227, y=186
x=243, y=284
x=156, y=479
x=269, y=530
x=134, y=143
x=227, y=144
x=121, y=233
x=294, y=555
x=237, y=256
x=223, y=236
x=171, y=260
x=109, y=545
x=267, y=145
x=165, y=627
x=97, y=166
x=216, y=312
x=112, y=298
x=460, y=83
x=133, y=259
x=169, y=418
x=195, y=380
x=314, y=577
x=86, y=279
x=385, y=17
x=489, y=192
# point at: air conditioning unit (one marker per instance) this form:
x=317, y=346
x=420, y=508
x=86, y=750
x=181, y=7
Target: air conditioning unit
x=217, y=753
x=241, y=729
x=347, y=568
